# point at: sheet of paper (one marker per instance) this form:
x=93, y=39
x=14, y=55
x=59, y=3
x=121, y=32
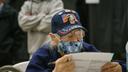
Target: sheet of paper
x=90, y=61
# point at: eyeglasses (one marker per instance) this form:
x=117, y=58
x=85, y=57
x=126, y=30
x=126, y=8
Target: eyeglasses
x=75, y=35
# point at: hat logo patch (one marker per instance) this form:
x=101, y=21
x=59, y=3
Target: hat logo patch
x=69, y=18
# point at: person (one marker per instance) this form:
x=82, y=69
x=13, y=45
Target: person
x=66, y=37
x=11, y=36
x=34, y=18
x=16, y=4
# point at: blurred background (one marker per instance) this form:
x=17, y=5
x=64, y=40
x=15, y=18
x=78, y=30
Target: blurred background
x=106, y=21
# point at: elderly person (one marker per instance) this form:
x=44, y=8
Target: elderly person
x=66, y=37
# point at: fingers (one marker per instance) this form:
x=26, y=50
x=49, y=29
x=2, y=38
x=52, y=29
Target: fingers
x=111, y=67
x=69, y=66
x=28, y=14
x=64, y=64
x=64, y=59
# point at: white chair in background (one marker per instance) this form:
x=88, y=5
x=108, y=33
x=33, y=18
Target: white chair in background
x=8, y=68
x=21, y=66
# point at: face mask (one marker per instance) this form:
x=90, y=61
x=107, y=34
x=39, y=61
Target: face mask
x=70, y=47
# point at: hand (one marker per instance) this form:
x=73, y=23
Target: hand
x=111, y=67
x=64, y=64
x=28, y=13
x=54, y=39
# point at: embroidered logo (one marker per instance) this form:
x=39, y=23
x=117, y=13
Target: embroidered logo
x=69, y=18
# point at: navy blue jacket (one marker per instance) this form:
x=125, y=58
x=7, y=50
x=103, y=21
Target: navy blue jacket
x=44, y=55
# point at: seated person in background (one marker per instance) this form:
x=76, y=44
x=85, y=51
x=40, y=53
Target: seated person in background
x=66, y=37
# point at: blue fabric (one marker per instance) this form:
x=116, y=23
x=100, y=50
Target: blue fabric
x=44, y=55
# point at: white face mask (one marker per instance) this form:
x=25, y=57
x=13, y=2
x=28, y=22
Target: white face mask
x=70, y=47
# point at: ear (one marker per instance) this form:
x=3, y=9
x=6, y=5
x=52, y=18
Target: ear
x=51, y=35
x=54, y=39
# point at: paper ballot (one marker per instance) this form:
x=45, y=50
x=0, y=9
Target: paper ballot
x=90, y=61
